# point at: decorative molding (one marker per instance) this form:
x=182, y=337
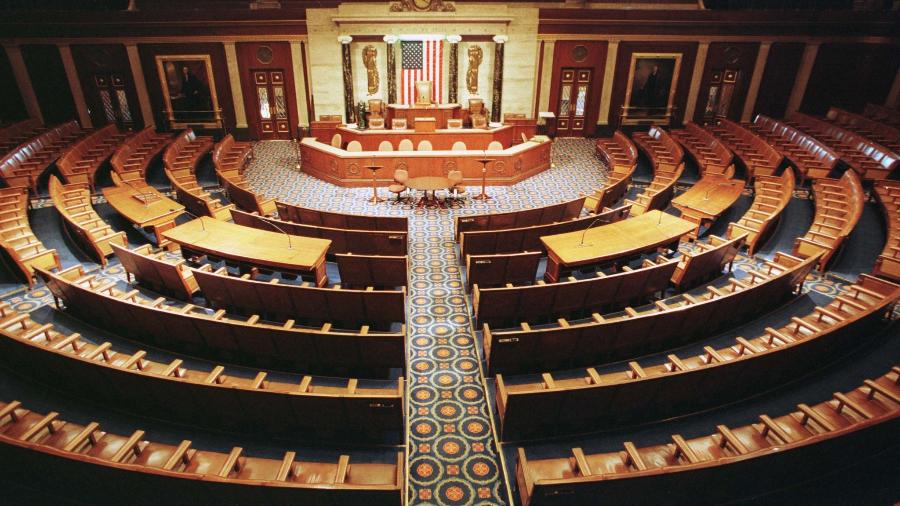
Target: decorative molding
x=391, y=39
x=454, y=39
x=422, y=6
x=412, y=18
x=344, y=39
x=500, y=39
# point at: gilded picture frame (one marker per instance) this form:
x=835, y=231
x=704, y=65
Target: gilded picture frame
x=189, y=90
x=652, y=83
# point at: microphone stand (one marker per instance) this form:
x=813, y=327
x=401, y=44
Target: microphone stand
x=582, y=244
x=185, y=211
x=276, y=227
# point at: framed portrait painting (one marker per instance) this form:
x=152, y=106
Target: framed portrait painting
x=189, y=90
x=652, y=82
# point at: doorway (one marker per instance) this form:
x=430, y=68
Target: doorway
x=109, y=94
x=574, y=95
x=271, y=105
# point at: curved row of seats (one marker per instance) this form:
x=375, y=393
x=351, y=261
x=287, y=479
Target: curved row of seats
x=70, y=455
x=712, y=157
x=664, y=325
x=317, y=217
x=772, y=194
x=620, y=156
x=22, y=247
x=882, y=114
x=870, y=160
x=769, y=454
x=811, y=157
x=667, y=161
x=885, y=135
x=554, y=213
x=888, y=262
x=229, y=158
x=640, y=393
x=23, y=165
x=314, y=409
x=85, y=226
x=180, y=160
x=215, y=336
x=131, y=161
x=760, y=158
x=80, y=162
x=839, y=205
x=21, y=131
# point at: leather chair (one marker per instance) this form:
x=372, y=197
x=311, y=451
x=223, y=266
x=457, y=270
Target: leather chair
x=401, y=176
x=398, y=124
x=459, y=146
x=457, y=189
x=405, y=145
x=385, y=146
x=477, y=113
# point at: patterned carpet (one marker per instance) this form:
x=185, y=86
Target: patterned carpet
x=452, y=449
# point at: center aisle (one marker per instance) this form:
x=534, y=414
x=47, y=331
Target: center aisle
x=453, y=458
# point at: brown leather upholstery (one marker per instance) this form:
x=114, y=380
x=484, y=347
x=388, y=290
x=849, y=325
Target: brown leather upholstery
x=839, y=206
x=888, y=263
x=760, y=158
x=308, y=216
x=514, y=219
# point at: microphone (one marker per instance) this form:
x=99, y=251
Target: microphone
x=582, y=244
x=185, y=211
x=276, y=227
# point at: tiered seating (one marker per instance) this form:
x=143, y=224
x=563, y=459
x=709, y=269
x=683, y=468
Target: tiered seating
x=664, y=325
x=181, y=158
x=621, y=156
x=772, y=195
x=186, y=151
x=213, y=335
x=360, y=242
x=868, y=159
x=760, y=158
x=666, y=158
x=83, y=367
x=706, y=264
x=811, y=157
x=275, y=301
x=763, y=456
x=307, y=216
x=72, y=456
x=712, y=156
x=515, y=240
x=564, y=211
x=839, y=205
x=888, y=262
x=93, y=235
x=156, y=271
x=229, y=159
x=637, y=393
x=131, y=160
x=379, y=271
x=538, y=302
x=80, y=162
x=496, y=270
x=16, y=133
x=18, y=241
x=885, y=135
x=882, y=114
x=23, y=165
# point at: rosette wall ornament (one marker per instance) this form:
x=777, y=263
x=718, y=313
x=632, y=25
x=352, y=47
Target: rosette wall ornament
x=422, y=6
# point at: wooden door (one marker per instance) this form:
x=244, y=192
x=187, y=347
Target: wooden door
x=111, y=102
x=574, y=93
x=273, y=117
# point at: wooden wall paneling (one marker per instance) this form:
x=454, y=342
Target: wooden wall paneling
x=216, y=51
x=51, y=86
x=738, y=56
x=281, y=59
x=850, y=75
x=595, y=59
x=105, y=59
x=688, y=52
x=12, y=107
x=778, y=79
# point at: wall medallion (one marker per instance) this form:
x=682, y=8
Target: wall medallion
x=422, y=6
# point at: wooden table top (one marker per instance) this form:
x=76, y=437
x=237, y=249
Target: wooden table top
x=248, y=244
x=428, y=183
x=154, y=209
x=710, y=196
x=615, y=240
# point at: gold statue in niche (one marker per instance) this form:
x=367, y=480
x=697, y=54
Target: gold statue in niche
x=369, y=55
x=475, y=57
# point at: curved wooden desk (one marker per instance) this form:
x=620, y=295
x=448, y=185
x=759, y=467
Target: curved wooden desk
x=610, y=242
x=707, y=199
x=145, y=207
x=253, y=246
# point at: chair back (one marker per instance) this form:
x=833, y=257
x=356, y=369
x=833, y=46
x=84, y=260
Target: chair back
x=336, y=141
x=495, y=146
x=398, y=124
x=476, y=106
x=405, y=145
x=455, y=177
x=376, y=108
x=385, y=146
x=424, y=146
x=401, y=176
x=459, y=146
x=354, y=146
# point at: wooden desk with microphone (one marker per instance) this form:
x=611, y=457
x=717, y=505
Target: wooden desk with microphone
x=607, y=243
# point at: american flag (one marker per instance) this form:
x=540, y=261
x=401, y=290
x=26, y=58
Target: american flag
x=421, y=60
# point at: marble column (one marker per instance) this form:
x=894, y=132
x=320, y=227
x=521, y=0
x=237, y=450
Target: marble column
x=391, y=41
x=453, y=88
x=84, y=116
x=755, y=80
x=609, y=74
x=347, y=70
x=299, y=82
x=234, y=80
x=497, y=99
x=23, y=81
x=140, y=84
x=803, y=72
x=696, y=77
